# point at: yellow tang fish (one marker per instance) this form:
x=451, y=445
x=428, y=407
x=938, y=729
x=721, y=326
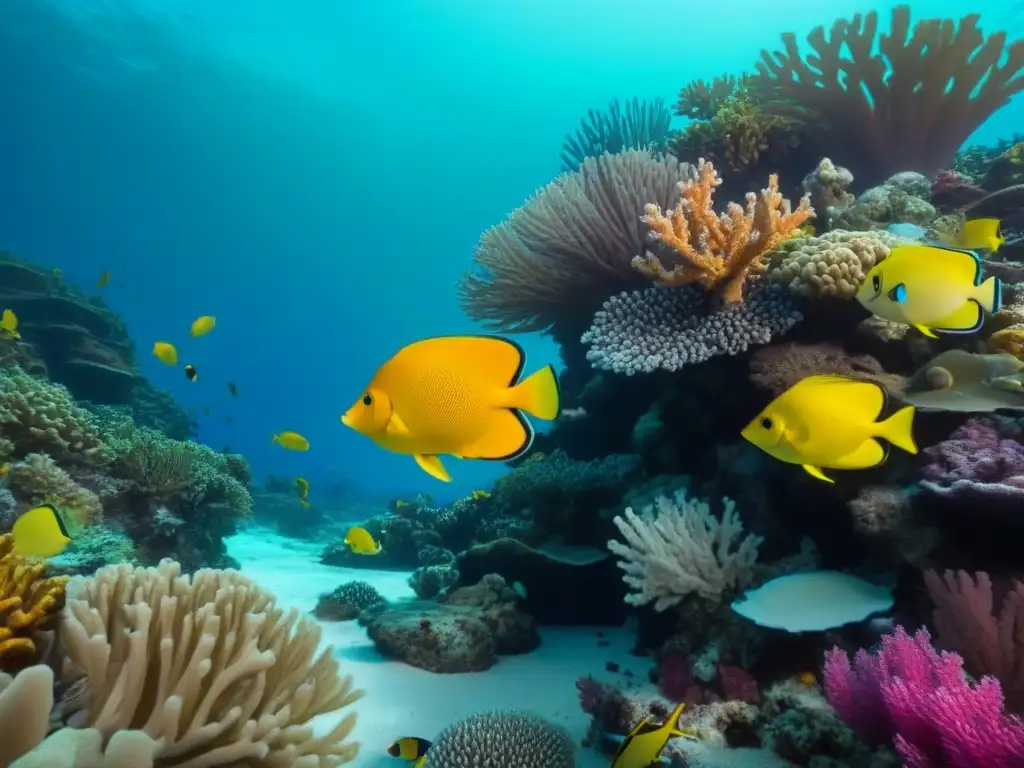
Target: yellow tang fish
x=361, y=541
x=9, y=324
x=303, y=485
x=165, y=352
x=974, y=234
x=644, y=744
x=931, y=287
x=104, y=279
x=40, y=532
x=457, y=395
x=292, y=441
x=409, y=748
x=830, y=421
x=203, y=325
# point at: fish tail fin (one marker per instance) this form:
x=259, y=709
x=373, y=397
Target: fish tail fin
x=898, y=429
x=537, y=394
x=274, y=440
x=990, y=295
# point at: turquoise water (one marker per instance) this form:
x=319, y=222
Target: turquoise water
x=316, y=174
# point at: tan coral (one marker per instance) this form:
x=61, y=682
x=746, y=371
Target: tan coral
x=718, y=251
x=831, y=265
x=210, y=667
x=29, y=604
x=25, y=704
x=38, y=480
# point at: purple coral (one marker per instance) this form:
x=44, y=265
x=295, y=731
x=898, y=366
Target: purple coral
x=667, y=328
x=983, y=460
x=919, y=699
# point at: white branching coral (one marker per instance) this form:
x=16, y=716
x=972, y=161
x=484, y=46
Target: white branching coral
x=678, y=547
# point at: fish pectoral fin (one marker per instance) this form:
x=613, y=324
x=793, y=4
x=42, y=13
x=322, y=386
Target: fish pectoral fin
x=507, y=435
x=926, y=331
x=967, y=319
x=816, y=472
x=396, y=427
x=431, y=464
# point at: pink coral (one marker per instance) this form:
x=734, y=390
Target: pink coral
x=982, y=461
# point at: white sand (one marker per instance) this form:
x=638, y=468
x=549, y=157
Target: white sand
x=404, y=701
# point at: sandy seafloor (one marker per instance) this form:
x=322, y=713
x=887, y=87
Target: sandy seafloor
x=404, y=701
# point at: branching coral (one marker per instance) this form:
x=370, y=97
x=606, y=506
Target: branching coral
x=553, y=261
x=717, y=252
x=29, y=604
x=641, y=125
x=38, y=480
x=37, y=416
x=210, y=667
x=906, y=101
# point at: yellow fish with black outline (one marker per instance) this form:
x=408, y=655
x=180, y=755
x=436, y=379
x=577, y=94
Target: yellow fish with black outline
x=409, y=748
x=41, y=532
x=931, y=287
x=831, y=422
x=455, y=395
x=643, y=746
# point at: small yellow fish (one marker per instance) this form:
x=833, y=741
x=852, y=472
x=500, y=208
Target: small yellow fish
x=932, y=288
x=292, y=441
x=303, y=485
x=191, y=373
x=9, y=324
x=399, y=504
x=4, y=469
x=986, y=234
x=165, y=352
x=409, y=748
x=104, y=279
x=203, y=325
x=480, y=495
x=830, y=421
x=361, y=541
x=304, y=504
x=806, y=678
x=40, y=532
x=457, y=395
x=645, y=743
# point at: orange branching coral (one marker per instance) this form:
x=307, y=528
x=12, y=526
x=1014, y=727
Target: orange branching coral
x=718, y=251
x=28, y=604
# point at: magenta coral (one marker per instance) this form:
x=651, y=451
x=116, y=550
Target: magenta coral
x=919, y=699
x=982, y=461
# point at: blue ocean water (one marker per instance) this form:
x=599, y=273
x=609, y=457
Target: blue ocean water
x=315, y=173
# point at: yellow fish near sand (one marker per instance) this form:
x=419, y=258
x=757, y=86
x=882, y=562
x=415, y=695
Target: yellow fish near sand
x=932, y=288
x=291, y=441
x=165, y=352
x=9, y=325
x=40, y=532
x=361, y=541
x=643, y=746
x=203, y=325
x=455, y=395
x=986, y=234
x=831, y=422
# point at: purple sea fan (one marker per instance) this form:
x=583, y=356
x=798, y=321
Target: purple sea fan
x=919, y=699
x=982, y=461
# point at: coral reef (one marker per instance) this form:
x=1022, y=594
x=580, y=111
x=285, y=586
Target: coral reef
x=982, y=462
x=29, y=605
x=830, y=265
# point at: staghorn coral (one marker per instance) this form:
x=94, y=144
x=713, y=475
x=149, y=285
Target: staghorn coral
x=38, y=480
x=904, y=101
x=37, y=416
x=209, y=666
x=553, y=261
x=832, y=265
x=641, y=125
x=29, y=604
x=717, y=252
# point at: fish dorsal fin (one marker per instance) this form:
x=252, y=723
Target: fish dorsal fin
x=396, y=427
x=959, y=262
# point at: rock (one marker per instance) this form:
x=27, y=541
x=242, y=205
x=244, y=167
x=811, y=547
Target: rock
x=465, y=633
x=564, y=585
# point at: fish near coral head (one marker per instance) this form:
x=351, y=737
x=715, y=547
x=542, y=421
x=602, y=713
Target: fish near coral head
x=370, y=414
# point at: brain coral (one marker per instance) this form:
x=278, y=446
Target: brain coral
x=503, y=740
x=830, y=265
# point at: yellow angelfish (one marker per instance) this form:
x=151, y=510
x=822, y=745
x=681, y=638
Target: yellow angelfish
x=361, y=541
x=303, y=485
x=40, y=532
x=203, y=325
x=932, y=288
x=986, y=234
x=643, y=746
x=291, y=441
x=9, y=324
x=830, y=422
x=165, y=352
x=409, y=748
x=456, y=395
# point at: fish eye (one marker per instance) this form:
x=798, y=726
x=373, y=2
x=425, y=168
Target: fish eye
x=367, y=399
x=876, y=283
x=766, y=423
